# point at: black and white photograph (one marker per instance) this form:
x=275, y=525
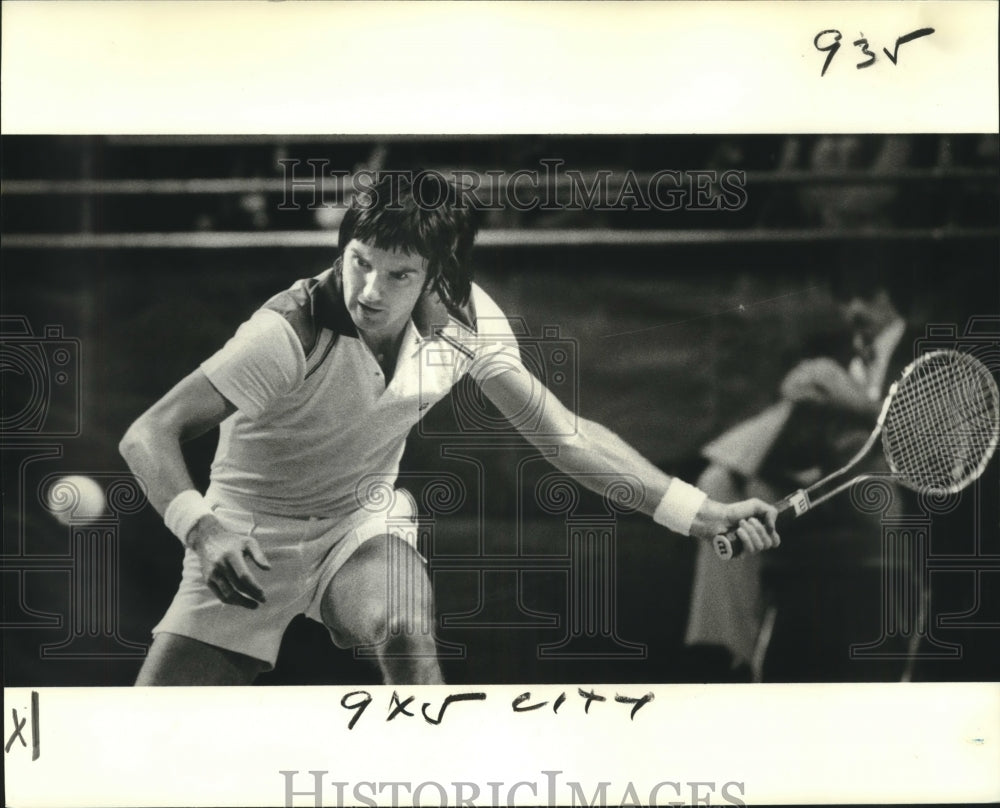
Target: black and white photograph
x=412, y=424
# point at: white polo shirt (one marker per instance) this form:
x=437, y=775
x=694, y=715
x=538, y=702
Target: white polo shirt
x=314, y=415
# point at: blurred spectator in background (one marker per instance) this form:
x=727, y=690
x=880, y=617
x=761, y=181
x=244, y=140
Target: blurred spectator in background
x=827, y=409
x=837, y=204
x=862, y=204
x=970, y=202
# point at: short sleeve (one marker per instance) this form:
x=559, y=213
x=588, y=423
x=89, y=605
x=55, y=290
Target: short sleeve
x=263, y=361
x=495, y=350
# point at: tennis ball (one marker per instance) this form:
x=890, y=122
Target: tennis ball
x=76, y=498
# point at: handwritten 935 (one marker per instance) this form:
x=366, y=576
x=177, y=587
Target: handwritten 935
x=357, y=701
x=828, y=42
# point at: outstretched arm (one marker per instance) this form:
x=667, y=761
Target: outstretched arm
x=152, y=449
x=595, y=457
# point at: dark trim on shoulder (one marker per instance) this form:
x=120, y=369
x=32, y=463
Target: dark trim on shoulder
x=313, y=362
x=311, y=305
x=330, y=309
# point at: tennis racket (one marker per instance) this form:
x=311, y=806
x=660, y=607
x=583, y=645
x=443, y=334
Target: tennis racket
x=939, y=426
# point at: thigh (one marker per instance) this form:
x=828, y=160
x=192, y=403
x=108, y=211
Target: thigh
x=177, y=660
x=382, y=583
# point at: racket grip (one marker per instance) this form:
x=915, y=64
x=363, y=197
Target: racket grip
x=730, y=546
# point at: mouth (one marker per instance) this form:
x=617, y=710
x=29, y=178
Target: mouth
x=369, y=310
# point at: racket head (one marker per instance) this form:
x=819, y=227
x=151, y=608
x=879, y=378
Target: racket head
x=941, y=422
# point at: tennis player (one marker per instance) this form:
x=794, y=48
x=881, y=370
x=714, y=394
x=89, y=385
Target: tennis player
x=319, y=389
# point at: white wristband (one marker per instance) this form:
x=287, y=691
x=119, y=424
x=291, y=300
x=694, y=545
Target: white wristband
x=679, y=506
x=183, y=513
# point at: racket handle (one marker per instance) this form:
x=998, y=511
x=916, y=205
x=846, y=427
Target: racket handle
x=730, y=546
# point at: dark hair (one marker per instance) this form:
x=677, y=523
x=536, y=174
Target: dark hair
x=867, y=269
x=418, y=213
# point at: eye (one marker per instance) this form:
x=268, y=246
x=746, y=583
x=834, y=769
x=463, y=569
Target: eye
x=403, y=275
x=361, y=262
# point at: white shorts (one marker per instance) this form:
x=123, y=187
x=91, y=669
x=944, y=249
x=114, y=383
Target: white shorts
x=304, y=555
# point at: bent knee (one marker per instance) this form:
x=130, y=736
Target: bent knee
x=381, y=591
x=369, y=624
x=377, y=622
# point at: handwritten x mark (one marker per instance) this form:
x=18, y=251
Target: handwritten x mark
x=16, y=734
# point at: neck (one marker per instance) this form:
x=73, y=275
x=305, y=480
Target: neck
x=384, y=347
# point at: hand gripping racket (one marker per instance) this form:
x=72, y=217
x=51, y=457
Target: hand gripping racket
x=939, y=426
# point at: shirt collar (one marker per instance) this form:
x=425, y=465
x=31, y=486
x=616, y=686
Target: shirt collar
x=882, y=348
x=432, y=313
x=413, y=340
x=888, y=338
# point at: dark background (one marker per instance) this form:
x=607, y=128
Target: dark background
x=672, y=343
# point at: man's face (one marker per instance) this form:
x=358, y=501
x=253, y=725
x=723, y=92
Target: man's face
x=867, y=316
x=381, y=288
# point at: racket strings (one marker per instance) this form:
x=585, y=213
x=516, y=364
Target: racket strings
x=941, y=424
x=952, y=424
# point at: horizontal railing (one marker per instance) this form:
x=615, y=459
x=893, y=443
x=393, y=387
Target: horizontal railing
x=493, y=238
x=300, y=182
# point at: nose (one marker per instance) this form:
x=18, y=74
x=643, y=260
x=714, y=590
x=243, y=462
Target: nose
x=372, y=292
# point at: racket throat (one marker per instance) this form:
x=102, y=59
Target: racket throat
x=798, y=502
